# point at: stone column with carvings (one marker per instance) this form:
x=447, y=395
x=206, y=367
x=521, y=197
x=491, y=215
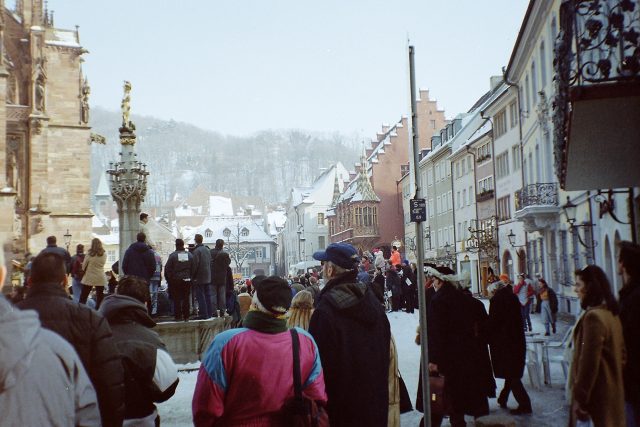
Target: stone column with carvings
x=128, y=179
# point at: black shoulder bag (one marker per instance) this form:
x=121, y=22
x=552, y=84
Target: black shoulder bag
x=301, y=411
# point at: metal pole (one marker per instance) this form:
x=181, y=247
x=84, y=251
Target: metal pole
x=420, y=250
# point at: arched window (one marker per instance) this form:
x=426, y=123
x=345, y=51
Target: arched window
x=208, y=233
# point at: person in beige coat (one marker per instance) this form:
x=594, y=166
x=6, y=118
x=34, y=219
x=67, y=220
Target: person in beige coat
x=597, y=390
x=94, y=275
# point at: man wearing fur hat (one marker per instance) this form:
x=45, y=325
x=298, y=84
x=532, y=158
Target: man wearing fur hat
x=453, y=348
x=246, y=375
x=353, y=335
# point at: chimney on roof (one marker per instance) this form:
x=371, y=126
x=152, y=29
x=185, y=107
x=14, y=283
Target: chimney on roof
x=495, y=81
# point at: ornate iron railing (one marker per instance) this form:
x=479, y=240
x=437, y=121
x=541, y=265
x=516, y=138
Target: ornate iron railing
x=598, y=42
x=544, y=194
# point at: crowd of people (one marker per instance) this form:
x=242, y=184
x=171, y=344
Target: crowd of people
x=325, y=330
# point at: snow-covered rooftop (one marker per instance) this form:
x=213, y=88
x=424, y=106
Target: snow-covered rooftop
x=65, y=38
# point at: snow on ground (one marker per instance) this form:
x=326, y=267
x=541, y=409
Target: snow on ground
x=549, y=407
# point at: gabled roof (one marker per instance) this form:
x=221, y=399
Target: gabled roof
x=103, y=187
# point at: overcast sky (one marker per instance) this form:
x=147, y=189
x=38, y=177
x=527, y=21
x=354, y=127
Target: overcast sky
x=239, y=66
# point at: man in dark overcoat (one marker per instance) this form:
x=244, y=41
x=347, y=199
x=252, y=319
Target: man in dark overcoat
x=453, y=349
x=507, y=345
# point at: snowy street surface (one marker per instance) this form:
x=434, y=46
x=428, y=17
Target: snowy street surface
x=549, y=406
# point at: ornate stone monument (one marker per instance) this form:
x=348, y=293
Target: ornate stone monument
x=128, y=178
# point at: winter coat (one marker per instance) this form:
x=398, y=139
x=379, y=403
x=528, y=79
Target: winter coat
x=364, y=277
x=524, y=291
x=139, y=261
x=76, y=266
x=202, y=257
x=377, y=286
x=506, y=334
x=180, y=267
x=144, y=228
x=630, y=318
x=89, y=334
x=596, y=369
x=93, y=267
x=452, y=322
x=353, y=335
x=42, y=380
x=220, y=262
x=394, y=283
x=378, y=261
x=150, y=374
x=60, y=251
x=246, y=374
x=395, y=258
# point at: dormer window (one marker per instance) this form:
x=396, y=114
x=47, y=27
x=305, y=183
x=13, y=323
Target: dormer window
x=208, y=233
x=226, y=232
x=244, y=232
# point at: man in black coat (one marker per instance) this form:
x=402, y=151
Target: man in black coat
x=220, y=275
x=507, y=345
x=86, y=330
x=629, y=268
x=453, y=349
x=202, y=278
x=150, y=374
x=139, y=259
x=179, y=272
x=353, y=335
x=52, y=247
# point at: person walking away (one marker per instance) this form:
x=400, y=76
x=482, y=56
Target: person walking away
x=179, y=272
x=144, y=228
x=154, y=285
x=94, y=277
x=409, y=288
x=53, y=247
x=395, y=286
x=507, y=344
x=353, y=335
x=246, y=375
x=629, y=269
x=138, y=259
x=596, y=380
x=77, y=272
x=150, y=374
x=452, y=348
x=548, y=306
x=220, y=262
x=377, y=285
x=86, y=330
x=244, y=300
x=525, y=294
x=202, y=278
x=301, y=310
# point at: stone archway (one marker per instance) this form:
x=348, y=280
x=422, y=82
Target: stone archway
x=507, y=264
x=522, y=262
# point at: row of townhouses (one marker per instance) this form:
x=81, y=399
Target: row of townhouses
x=539, y=176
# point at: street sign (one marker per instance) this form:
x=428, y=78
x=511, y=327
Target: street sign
x=418, y=209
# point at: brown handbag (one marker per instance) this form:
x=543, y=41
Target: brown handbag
x=437, y=399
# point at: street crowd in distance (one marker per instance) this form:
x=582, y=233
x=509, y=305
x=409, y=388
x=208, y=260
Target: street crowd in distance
x=316, y=346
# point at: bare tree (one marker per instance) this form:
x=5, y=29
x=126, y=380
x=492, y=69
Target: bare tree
x=238, y=250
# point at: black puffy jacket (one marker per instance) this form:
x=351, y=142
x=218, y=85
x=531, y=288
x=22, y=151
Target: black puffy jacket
x=89, y=333
x=139, y=346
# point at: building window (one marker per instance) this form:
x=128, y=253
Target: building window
x=515, y=157
x=208, y=233
x=470, y=194
x=450, y=200
x=430, y=208
x=244, y=232
x=485, y=184
x=438, y=205
x=111, y=256
x=430, y=177
x=513, y=112
x=482, y=153
x=504, y=208
x=502, y=164
x=527, y=93
x=464, y=168
x=245, y=271
x=259, y=253
x=321, y=242
x=534, y=84
x=447, y=166
x=500, y=123
x=469, y=163
x=432, y=123
x=320, y=218
x=226, y=232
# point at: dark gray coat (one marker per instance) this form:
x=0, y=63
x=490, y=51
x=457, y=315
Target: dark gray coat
x=202, y=256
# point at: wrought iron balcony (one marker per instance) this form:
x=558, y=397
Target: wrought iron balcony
x=484, y=195
x=597, y=93
x=545, y=194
